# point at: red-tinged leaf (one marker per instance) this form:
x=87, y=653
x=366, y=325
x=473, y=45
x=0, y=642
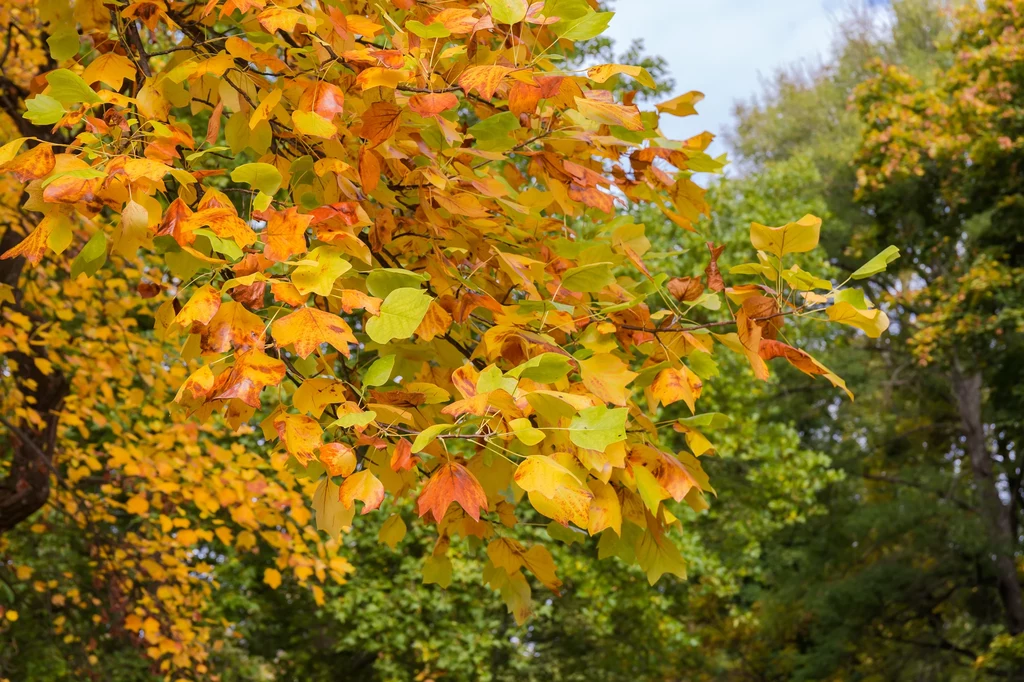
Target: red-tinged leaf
x=432, y=104
x=346, y=212
x=402, y=458
x=380, y=122
x=369, y=169
x=233, y=328
x=523, y=98
x=253, y=371
x=200, y=310
x=802, y=360
x=174, y=221
x=338, y=458
x=307, y=328
x=452, y=482
x=213, y=126
x=484, y=79
x=323, y=98
x=362, y=486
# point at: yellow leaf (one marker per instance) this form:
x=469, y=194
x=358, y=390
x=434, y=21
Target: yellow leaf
x=798, y=237
x=872, y=322
x=554, y=491
x=683, y=105
x=606, y=376
x=610, y=114
x=272, y=577
x=138, y=505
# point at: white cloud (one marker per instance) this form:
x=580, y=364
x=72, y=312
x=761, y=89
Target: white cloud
x=723, y=47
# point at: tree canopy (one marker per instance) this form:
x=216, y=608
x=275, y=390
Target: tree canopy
x=269, y=268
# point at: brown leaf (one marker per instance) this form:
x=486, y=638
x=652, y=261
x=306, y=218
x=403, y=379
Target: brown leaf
x=685, y=288
x=715, y=281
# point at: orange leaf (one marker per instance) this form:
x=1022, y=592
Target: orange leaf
x=369, y=169
x=33, y=164
x=432, y=104
x=300, y=434
x=677, y=384
x=484, y=79
x=362, y=486
x=801, y=360
x=325, y=99
x=252, y=372
x=307, y=328
x=380, y=122
x=402, y=458
x=339, y=459
x=200, y=309
x=224, y=222
x=452, y=482
x=436, y=322
x=233, y=327
x=285, y=235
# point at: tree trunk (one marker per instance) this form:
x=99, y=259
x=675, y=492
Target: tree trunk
x=967, y=387
x=27, y=484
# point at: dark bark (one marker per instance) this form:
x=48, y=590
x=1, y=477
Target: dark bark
x=967, y=389
x=31, y=449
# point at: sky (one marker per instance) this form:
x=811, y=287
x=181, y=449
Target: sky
x=723, y=48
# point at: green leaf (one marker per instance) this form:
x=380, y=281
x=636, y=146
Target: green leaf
x=43, y=110
x=436, y=30
x=428, y=436
x=545, y=368
x=382, y=281
x=261, y=176
x=595, y=428
x=526, y=432
x=64, y=43
x=588, y=278
x=347, y=421
x=494, y=134
x=508, y=11
x=67, y=87
x=877, y=264
x=379, y=371
x=227, y=247
x=854, y=297
x=91, y=257
x=708, y=420
x=586, y=27
x=400, y=314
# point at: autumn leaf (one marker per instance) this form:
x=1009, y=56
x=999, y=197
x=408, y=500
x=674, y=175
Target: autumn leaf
x=554, y=490
x=380, y=122
x=451, y=482
x=307, y=328
x=362, y=486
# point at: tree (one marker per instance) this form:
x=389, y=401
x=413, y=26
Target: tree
x=397, y=250
x=898, y=580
